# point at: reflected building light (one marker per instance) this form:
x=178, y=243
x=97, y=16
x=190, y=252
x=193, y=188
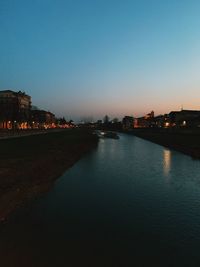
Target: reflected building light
x=166, y=161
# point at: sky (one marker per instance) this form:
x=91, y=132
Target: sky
x=88, y=58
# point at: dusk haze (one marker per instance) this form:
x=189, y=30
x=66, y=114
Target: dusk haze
x=95, y=57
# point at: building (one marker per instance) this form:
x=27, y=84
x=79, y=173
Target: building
x=41, y=119
x=162, y=121
x=14, y=110
x=184, y=118
x=128, y=123
x=145, y=122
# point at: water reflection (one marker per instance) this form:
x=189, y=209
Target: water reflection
x=166, y=162
x=127, y=203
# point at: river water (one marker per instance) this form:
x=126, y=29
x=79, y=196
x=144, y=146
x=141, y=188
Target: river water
x=128, y=203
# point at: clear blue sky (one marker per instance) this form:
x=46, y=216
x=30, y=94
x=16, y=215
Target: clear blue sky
x=95, y=57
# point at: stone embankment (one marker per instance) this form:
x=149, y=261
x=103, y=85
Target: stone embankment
x=29, y=165
x=186, y=141
x=5, y=134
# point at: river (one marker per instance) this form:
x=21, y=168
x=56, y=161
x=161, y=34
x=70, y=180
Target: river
x=129, y=202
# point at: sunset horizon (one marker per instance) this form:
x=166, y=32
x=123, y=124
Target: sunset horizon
x=97, y=57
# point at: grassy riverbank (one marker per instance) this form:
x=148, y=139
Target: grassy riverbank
x=186, y=141
x=30, y=164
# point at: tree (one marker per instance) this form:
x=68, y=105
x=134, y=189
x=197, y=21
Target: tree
x=115, y=120
x=106, y=119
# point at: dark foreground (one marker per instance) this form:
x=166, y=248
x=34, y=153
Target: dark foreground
x=128, y=203
x=186, y=141
x=30, y=164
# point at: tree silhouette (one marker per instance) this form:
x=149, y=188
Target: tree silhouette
x=115, y=120
x=106, y=119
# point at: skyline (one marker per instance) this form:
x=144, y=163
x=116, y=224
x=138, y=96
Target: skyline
x=95, y=58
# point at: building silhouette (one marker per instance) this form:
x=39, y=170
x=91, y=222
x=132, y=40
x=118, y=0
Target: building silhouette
x=41, y=119
x=15, y=109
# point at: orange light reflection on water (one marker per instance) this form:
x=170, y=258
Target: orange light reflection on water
x=166, y=162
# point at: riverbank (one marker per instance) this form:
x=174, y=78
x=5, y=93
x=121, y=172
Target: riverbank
x=6, y=134
x=30, y=164
x=186, y=141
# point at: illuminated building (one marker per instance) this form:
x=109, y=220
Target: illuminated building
x=146, y=121
x=14, y=109
x=185, y=118
x=41, y=119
